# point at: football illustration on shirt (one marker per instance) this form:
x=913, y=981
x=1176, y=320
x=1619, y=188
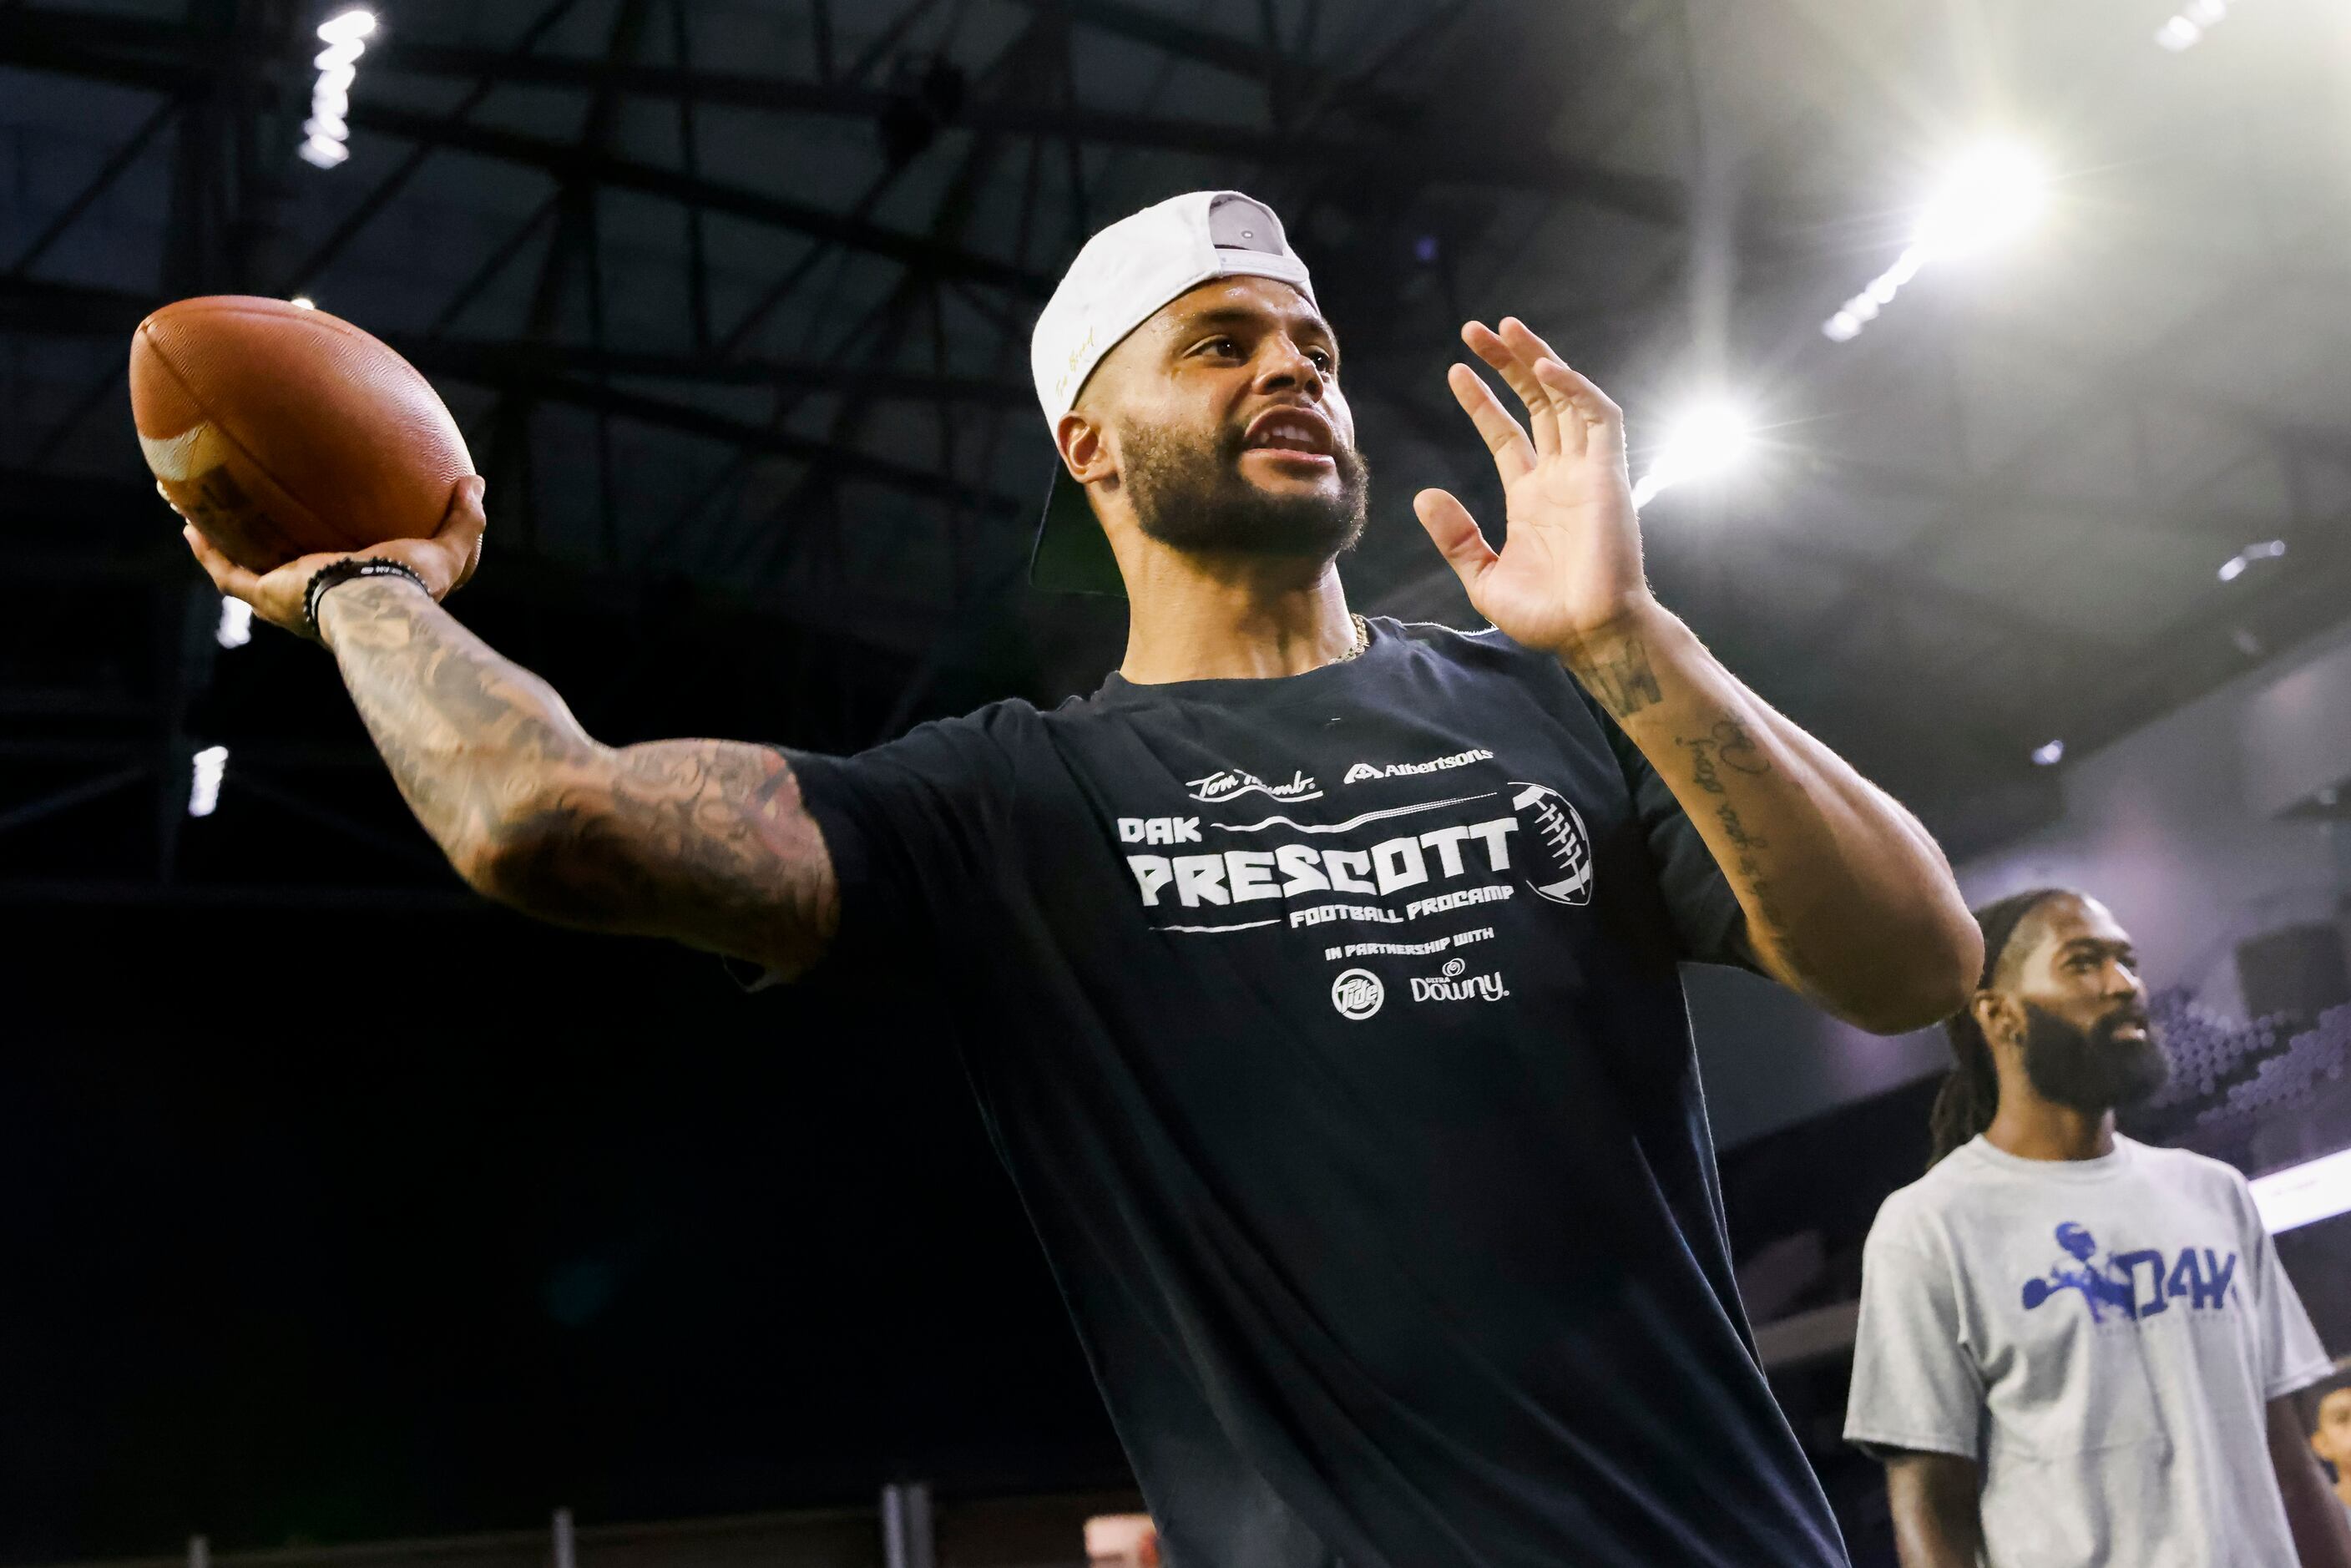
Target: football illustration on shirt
x=1558, y=853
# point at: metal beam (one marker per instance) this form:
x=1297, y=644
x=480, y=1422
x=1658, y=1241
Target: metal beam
x=1522, y=167
x=567, y=161
x=74, y=795
x=506, y=364
x=50, y=893
x=88, y=52
x=156, y=57
x=845, y=462
x=120, y=159
x=34, y=309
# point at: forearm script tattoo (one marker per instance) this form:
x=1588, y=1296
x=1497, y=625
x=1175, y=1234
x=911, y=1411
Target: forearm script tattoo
x=1726, y=752
x=705, y=840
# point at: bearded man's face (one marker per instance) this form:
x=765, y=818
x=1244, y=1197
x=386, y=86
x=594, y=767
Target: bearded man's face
x=1231, y=433
x=1194, y=491
x=2086, y=1041
x=2115, y=1064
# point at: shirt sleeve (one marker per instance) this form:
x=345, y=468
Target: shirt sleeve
x=1709, y=924
x=1916, y=1384
x=920, y=833
x=2291, y=1356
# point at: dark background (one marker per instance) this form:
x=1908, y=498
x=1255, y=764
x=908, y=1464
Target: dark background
x=370, y=1225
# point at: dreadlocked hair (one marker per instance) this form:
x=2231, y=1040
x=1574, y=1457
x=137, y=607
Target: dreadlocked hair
x=1964, y=1106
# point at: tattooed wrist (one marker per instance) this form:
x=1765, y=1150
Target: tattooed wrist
x=1612, y=662
x=363, y=598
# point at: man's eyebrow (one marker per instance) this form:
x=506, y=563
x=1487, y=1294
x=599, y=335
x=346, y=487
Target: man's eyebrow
x=1244, y=315
x=2098, y=944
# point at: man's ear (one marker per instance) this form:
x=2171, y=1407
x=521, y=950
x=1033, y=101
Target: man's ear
x=1996, y=1015
x=1085, y=447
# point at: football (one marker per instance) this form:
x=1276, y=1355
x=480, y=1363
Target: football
x=281, y=430
x=1558, y=851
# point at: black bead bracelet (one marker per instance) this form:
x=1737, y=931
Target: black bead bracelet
x=344, y=571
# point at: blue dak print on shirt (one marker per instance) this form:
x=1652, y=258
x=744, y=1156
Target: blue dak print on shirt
x=2206, y=1283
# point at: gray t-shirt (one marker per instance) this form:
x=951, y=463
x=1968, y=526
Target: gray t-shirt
x=2102, y=1336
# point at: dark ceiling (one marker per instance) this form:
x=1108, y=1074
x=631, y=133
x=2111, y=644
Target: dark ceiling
x=731, y=302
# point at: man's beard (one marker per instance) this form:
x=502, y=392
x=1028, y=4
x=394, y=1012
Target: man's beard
x=2089, y=1070
x=1198, y=500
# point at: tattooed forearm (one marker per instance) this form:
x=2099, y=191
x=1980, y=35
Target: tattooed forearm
x=1726, y=745
x=1736, y=832
x=705, y=840
x=1846, y=899
x=1616, y=669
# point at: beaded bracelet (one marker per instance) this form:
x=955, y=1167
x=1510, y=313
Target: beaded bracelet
x=344, y=571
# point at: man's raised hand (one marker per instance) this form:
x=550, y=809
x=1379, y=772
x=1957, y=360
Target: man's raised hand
x=445, y=561
x=1569, y=568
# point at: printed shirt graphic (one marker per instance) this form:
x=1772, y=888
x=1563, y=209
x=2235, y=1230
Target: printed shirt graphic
x=1331, y=1028
x=2102, y=1336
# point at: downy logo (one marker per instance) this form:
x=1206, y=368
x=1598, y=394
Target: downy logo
x=1452, y=986
x=1363, y=770
x=1231, y=783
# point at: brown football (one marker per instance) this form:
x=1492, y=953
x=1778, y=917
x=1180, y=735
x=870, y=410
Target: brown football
x=281, y=430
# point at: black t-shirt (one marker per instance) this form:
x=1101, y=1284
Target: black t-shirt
x=1331, y=1029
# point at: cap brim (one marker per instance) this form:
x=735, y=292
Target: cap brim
x=1071, y=554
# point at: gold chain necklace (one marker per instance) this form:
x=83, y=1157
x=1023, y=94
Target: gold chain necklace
x=1363, y=639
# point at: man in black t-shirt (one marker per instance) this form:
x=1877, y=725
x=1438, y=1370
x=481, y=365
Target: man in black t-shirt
x=1316, y=976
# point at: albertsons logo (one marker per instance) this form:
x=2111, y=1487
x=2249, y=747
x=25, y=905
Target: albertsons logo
x=1363, y=770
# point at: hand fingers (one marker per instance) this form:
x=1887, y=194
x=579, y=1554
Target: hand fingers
x=461, y=528
x=1513, y=454
x=1535, y=354
x=1456, y=535
x=1518, y=369
x=1594, y=408
x=227, y=576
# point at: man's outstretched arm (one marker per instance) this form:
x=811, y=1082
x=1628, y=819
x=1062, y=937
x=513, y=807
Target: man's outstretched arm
x=1847, y=898
x=703, y=841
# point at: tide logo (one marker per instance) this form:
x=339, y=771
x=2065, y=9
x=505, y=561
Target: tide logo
x=1357, y=994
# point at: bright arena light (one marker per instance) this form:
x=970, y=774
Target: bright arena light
x=303, y=302
x=235, y=627
x=2304, y=1194
x=2050, y=754
x=2235, y=567
x=327, y=129
x=203, y=787
x=1705, y=442
x=2187, y=29
x=1989, y=197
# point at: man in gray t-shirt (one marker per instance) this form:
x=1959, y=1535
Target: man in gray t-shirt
x=2075, y=1349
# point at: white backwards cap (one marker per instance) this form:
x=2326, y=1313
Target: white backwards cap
x=1119, y=281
